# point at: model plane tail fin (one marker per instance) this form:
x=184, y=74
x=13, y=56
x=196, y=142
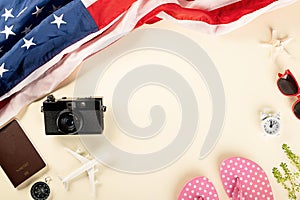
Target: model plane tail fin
x=65, y=183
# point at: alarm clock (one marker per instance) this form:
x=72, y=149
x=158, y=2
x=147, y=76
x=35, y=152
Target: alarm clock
x=270, y=123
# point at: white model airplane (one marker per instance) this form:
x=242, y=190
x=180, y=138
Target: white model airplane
x=87, y=166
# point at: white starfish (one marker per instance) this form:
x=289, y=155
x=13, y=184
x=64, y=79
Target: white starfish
x=58, y=20
x=7, y=14
x=2, y=69
x=277, y=44
x=28, y=43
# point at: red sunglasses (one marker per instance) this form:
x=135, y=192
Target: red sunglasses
x=288, y=86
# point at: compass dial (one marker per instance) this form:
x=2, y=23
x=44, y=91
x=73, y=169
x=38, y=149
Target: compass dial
x=40, y=191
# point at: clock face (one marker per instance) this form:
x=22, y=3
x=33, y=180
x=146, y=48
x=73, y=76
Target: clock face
x=271, y=126
x=40, y=191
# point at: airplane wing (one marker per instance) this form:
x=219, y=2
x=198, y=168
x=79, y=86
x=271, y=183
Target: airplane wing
x=79, y=157
x=91, y=173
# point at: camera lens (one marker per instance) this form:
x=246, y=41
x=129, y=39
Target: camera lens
x=69, y=122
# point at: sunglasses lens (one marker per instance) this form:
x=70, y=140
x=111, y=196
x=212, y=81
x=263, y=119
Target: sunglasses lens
x=288, y=85
x=296, y=109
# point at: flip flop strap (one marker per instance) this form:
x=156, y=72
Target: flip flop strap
x=237, y=193
x=199, y=198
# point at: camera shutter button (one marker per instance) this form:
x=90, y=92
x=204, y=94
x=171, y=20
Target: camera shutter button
x=50, y=98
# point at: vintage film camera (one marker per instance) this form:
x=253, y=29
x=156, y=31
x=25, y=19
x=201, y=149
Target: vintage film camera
x=68, y=116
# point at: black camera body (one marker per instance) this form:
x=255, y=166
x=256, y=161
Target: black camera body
x=68, y=116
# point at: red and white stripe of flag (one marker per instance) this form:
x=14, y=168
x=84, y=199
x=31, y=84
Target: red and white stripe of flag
x=116, y=19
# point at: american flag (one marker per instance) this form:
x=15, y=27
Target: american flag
x=42, y=41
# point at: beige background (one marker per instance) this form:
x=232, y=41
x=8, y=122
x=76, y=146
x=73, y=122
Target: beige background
x=249, y=78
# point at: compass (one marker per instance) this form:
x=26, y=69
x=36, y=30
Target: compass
x=270, y=123
x=40, y=190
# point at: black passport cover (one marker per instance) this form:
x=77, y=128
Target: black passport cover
x=18, y=157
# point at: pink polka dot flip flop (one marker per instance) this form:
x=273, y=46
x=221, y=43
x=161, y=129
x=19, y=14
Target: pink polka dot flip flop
x=243, y=179
x=199, y=188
